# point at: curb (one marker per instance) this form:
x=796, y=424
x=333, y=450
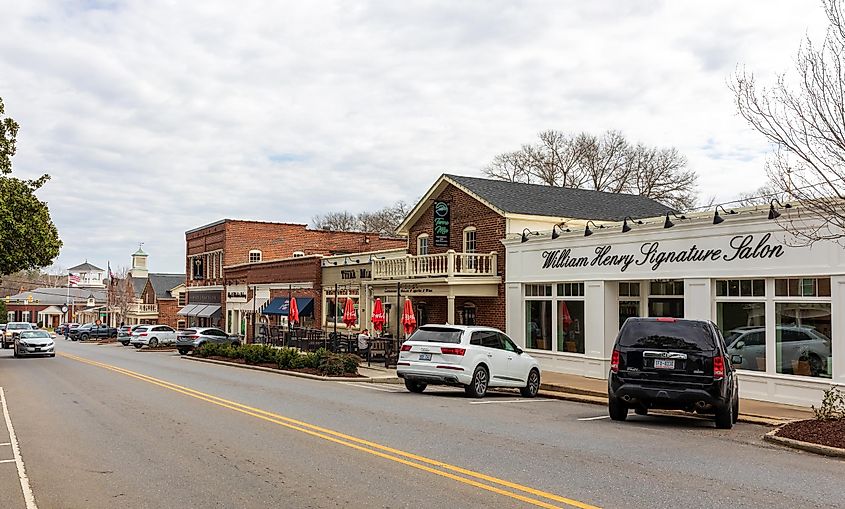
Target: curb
x=156, y=350
x=824, y=450
x=296, y=373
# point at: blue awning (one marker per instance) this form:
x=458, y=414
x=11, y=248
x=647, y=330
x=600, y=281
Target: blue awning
x=280, y=306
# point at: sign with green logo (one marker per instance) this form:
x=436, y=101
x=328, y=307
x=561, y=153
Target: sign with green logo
x=442, y=222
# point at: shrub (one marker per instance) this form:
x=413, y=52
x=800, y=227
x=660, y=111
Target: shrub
x=832, y=407
x=350, y=363
x=207, y=350
x=331, y=365
x=299, y=362
x=285, y=357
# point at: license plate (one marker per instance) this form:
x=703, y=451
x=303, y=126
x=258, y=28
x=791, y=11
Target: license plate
x=425, y=356
x=664, y=364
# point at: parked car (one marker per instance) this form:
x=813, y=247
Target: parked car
x=797, y=344
x=60, y=330
x=152, y=336
x=189, y=339
x=124, y=333
x=34, y=342
x=13, y=329
x=92, y=331
x=475, y=358
x=671, y=363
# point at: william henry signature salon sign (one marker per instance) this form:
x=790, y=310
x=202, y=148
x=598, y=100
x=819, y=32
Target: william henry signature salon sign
x=652, y=255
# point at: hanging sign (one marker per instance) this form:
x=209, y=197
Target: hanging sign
x=442, y=223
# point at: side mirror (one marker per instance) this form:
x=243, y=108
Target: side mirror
x=739, y=345
x=518, y=351
x=736, y=359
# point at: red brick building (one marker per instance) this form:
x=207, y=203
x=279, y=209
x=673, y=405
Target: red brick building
x=215, y=249
x=455, y=269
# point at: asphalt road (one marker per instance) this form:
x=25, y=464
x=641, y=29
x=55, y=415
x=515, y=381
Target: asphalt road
x=108, y=426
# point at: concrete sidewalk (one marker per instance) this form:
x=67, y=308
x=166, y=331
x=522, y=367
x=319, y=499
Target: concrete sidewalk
x=595, y=390
x=592, y=390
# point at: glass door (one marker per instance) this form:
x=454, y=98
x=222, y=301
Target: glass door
x=666, y=298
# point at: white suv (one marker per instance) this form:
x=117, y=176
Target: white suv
x=152, y=336
x=476, y=358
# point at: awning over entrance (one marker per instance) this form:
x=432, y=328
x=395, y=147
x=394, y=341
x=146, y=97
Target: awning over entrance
x=52, y=310
x=207, y=311
x=280, y=306
x=190, y=309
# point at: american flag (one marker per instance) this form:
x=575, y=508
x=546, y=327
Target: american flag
x=72, y=280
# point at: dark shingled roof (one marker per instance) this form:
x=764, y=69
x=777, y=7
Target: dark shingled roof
x=163, y=283
x=85, y=267
x=564, y=202
x=138, y=284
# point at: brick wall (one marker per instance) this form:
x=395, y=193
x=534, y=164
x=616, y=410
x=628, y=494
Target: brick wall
x=489, y=230
x=167, y=309
x=280, y=240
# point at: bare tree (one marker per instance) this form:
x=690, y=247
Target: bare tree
x=121, y=293
x=383, y=221
x=343, y=221
x=761, y=196
x=605, y=163
x=806, y=123
x=386, y=220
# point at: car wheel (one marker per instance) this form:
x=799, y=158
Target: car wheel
x=477, y=388
x=816, y=365
x=725, y=416
x=736, y=409
x=153, y=342
x=532, y=387
x=183, y=351
x=52, y=355
x=640, y=410
x=138, y=345
x=415, y=386
x=617, y=410
x=84, y=337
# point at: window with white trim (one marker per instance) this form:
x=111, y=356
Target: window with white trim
x=422, y=244
x=254, y=256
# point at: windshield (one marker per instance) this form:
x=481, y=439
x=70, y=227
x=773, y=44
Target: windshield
x=188, y=331
x=677, y=335
x=34, y=334
x=437, y=335
x=19, y=326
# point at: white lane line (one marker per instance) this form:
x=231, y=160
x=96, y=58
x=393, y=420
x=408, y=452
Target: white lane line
x=594, y=418
x=492, y=402
x=370, y=386
x=7, y=461
x=28, y=497
x=6, y=443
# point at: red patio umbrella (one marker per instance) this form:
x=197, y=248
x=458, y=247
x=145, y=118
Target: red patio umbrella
x=378, y=316
x=409, y=321
x=293, y=311
x=349, y=315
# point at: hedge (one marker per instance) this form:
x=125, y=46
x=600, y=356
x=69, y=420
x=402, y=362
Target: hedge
x=325, y=362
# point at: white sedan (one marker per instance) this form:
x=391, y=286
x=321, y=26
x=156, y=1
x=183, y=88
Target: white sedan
x=152, y=336
x=475, y=358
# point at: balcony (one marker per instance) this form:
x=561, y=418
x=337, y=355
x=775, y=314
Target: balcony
x=143, y=309
x=449, y=264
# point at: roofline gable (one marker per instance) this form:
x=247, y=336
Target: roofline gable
x=438, y=187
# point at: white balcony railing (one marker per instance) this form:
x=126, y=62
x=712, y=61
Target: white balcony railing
x=448, y=264
x=143, y=309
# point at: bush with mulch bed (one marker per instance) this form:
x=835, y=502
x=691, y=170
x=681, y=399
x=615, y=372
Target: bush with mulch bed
x=322, y=362
x=828, y=428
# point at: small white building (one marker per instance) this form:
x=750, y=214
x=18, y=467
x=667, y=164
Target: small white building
x=780, y=306
x=90, y=276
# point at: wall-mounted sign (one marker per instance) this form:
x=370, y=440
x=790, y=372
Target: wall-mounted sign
x=442, y=223
x=234, y=293
x=347, y=274
x=652, y=256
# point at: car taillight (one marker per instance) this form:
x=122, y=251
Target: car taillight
x=406, y=348
x=614, y=361
x=194, y=337
x=142, y=334
x=718, y=367
x=452, y=351
x=667, y=319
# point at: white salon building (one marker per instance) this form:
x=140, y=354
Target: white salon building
x=780, y=306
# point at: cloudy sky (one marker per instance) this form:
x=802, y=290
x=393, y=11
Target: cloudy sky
x=154, y=117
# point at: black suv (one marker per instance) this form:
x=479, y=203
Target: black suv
x=671, y=363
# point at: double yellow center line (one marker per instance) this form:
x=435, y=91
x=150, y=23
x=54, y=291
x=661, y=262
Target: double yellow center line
x=525, y=494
